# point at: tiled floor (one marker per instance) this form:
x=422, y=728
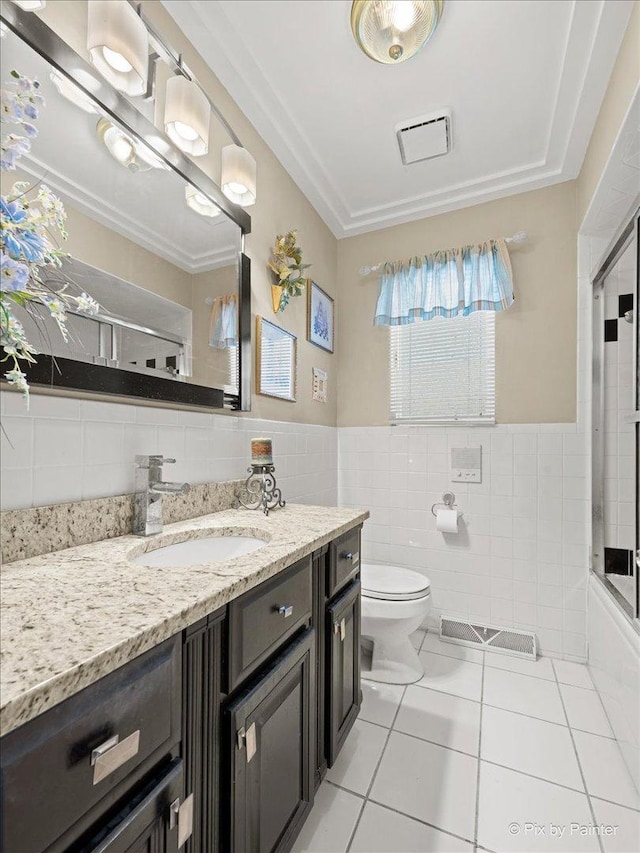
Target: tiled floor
x=486, y=752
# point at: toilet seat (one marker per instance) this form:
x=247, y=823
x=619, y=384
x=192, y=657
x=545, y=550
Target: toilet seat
x=393, y=583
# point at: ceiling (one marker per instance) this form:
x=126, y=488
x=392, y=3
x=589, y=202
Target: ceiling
x=524, y=80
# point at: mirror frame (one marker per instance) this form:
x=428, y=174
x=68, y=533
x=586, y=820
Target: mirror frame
x=67, y=373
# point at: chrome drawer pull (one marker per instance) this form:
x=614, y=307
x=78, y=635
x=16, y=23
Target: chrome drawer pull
x=340, y=628
x=348, y=556
x=352, y=557
x=113, y=753
x=286, y=610
x=181, y=815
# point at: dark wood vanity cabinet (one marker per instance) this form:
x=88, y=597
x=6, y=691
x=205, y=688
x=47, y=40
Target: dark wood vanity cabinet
x=343, y=696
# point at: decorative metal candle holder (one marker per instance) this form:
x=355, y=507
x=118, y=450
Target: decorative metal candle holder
x=260, y=490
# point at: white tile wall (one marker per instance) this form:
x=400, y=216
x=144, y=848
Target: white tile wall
x=62, y=449
x=520, y=558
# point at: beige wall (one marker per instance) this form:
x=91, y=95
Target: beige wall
x=624, y=82
x=535, y=339
x=280, y=207
x=210, y=365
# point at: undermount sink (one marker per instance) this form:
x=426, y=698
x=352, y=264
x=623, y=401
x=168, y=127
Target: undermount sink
x=194, y=552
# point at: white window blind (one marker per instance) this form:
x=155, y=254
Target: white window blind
x=443, y=370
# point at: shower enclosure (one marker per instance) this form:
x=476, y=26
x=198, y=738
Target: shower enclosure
x=616, y=394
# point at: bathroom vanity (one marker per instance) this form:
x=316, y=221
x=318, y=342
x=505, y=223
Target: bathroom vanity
x=191, y=708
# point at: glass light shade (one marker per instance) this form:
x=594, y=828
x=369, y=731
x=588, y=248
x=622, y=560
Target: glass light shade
x=118, y=44
x=187, y=115
x=200, y=203
x=391, y=31
x=129, y=152
x=73, y=93
x=31, y=5
x=238, y=175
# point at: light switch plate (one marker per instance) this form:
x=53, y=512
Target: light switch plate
x=466, y=464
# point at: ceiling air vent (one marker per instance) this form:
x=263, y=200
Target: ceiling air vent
x=424, y=137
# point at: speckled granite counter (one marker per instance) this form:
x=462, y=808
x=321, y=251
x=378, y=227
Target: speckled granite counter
x=71, y=617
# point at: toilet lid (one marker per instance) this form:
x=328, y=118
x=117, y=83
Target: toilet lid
x=393, y=583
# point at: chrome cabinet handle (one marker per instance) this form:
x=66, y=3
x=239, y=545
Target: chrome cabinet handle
x=181, y=815
x=112, y=754
x=348, y=556
x=286, y=610
x=340, y=628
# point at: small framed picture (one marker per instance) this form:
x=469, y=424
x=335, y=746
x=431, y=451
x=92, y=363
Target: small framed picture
x=319, y=317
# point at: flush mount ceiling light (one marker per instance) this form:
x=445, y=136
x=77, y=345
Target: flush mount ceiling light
x=391, y=31
x=68, y=89
x=199, y=202
x=31, y=5
x=238, y=175
x=130, y=153
x=118, y=44
x=187, y=114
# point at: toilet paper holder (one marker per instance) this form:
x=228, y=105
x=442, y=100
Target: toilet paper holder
x=448, y=501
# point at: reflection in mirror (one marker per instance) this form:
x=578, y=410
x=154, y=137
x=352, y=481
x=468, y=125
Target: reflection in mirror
x=276, y=361
x=156, y=253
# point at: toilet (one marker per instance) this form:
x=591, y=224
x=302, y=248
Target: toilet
x=395, y=602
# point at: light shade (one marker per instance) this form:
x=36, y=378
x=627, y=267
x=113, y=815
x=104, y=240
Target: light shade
x=118, y=44
x=187, y=114
x=129, y=152
x=199, y=202
x=391, y=31
x=31, y=5
x=238, y=175
x=68, y=89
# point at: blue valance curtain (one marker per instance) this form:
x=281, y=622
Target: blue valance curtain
x=445, y=284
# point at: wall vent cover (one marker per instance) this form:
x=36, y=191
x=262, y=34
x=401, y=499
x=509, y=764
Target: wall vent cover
x=502, y=640
x=424, y=137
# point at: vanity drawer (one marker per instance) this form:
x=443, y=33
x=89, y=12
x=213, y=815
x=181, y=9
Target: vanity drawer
x=263, y=618
x=66, y=764
x=344, y=561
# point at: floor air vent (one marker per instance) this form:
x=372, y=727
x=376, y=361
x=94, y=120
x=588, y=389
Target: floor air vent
x=503, y=640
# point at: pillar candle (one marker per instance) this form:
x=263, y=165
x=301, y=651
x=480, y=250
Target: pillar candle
x=261, y=451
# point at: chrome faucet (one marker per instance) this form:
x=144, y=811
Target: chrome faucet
x=147, y=510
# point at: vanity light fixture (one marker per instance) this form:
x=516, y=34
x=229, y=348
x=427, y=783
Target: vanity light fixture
x=130, y=153
x=187, y=115
x=238, y=175
x=199, y=202
x=118, y=44
x=31, y=5
x=68, y=89
x=391, y=31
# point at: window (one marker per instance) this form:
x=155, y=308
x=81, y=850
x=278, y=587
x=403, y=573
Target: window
x=443, y=370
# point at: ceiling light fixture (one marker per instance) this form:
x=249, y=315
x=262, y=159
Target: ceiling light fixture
x=238, y=175
x=129, y=152
x=199, y=202
x=118, y=44
x=187, y=114
x=391, y=31
x=31, y=5
x=69, y=90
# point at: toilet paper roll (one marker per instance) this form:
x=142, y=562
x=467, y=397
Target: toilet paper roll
x=447, y=520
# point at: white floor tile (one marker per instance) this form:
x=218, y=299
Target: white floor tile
x=441, y=718
x=330, y=825
x=531, y=746
x=514, y=692
x=511, y=802
x=625, y=823
x=380, y=702
x=540, y=668
x=585, y=711
x=605, y=772
x=577, y=674
x=451, y=675
x=357, y=762
x=383, y=831
x=428, y=782
x=433, y=643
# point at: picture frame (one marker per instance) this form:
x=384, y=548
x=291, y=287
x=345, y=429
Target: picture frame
x=276, y=361
x=320, y=317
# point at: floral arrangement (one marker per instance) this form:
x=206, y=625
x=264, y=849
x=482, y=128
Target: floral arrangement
x=288, y=268
x=30, y=216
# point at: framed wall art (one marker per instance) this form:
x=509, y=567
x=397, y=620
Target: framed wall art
x=320, y=317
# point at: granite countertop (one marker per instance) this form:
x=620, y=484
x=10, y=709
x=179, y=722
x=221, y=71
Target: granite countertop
x=71, y=617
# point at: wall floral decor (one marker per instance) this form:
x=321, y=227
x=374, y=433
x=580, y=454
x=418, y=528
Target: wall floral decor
x=319, y=317
x=288, y=269
x=31, y=219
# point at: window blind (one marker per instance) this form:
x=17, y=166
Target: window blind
x=443, y=370
x=277, y=367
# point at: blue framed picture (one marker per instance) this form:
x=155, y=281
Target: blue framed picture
x=319, y=317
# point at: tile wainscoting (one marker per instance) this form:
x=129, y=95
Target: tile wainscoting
x=520, y=558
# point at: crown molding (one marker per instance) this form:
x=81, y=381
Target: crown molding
x=598, y=24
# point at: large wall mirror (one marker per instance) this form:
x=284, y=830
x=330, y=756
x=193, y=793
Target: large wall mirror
x=145, y=239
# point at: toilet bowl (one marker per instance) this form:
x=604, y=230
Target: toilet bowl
x=395, y=602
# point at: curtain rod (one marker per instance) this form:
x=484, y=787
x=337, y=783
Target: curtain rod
x=518, y=237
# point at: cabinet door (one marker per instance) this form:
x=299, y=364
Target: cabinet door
x=343, y=696
x=271, y=753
